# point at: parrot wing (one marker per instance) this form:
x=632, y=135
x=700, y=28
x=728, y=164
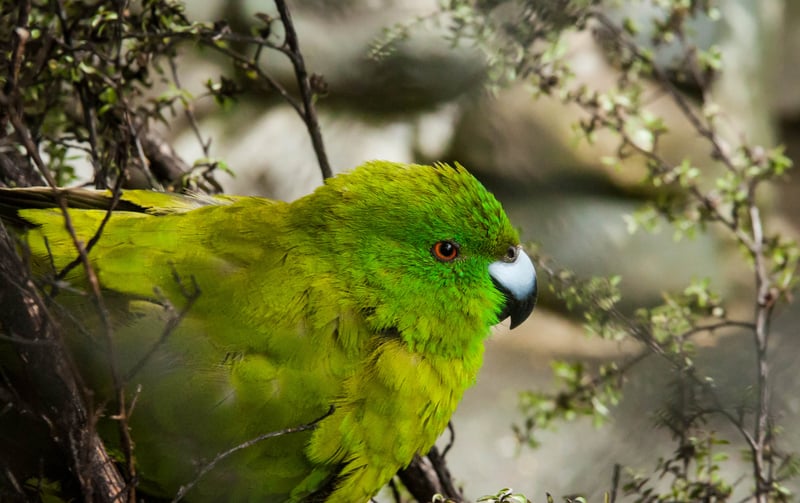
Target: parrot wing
x=235, y=359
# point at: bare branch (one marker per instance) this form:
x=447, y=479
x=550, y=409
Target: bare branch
x=244, y=445
x=309, y=113
x=175, y=318
x=427, y=476
x=60, y=396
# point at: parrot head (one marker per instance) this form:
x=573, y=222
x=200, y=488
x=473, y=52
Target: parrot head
x=428, y=249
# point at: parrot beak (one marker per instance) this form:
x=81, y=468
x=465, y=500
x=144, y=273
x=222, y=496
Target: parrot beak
x=515, y=276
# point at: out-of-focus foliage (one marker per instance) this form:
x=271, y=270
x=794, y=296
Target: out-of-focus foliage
x=90, y=81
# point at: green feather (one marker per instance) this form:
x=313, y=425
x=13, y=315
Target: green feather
x=332, y=303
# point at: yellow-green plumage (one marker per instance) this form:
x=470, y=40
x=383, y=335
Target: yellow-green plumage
x=333, y=303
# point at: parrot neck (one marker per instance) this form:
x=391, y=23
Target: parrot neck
x=402, y=401
x=453, y=345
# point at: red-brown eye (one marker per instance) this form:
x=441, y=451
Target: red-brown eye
x=445, y=251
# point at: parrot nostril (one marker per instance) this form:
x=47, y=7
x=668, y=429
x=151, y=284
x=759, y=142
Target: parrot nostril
x=512, y=253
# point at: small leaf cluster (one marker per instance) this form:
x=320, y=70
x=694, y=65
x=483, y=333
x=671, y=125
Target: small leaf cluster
x=88, y=82
x=520, y=39
x=583, y=392
x=74, y=73
x=504, y=496
x=693, y=473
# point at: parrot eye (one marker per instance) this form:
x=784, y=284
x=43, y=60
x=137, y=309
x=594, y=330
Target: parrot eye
x=445, y=251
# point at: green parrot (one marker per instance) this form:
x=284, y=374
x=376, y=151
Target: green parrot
x=362, y=308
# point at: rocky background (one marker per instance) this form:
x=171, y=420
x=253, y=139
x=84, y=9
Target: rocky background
x=428, y=101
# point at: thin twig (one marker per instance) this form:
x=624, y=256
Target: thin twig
x=395, y=492
x=309, y=112
x=612, y=497
x=116, y=193
x=22, y=340
x=188, y=111
x=764, y=304
x=18, y=42
x=452, y=440
x=443, y=474
x=83, y=94
x=222, y=455
x=677, y=96
x=190, y=296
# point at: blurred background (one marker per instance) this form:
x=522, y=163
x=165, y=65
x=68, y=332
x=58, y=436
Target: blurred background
x=428, y=101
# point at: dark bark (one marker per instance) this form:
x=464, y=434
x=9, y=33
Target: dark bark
x=427, y=476
x=57, y=398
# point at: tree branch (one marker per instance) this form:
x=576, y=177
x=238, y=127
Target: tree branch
x=57, y=390
x=309, y=113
